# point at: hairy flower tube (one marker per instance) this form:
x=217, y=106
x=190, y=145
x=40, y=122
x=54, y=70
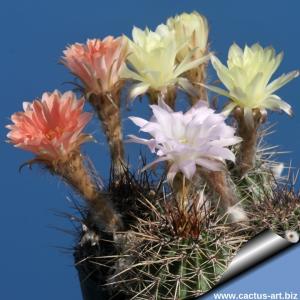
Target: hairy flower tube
x=152, y=61
x=191, y=30
x=98, y=63
x=247, y=79
x=51, y=127
x=197, y=137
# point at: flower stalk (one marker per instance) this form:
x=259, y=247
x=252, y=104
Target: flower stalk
x=197, y=77
x=249, y=133
x=168, y=95
x=72, y=170
x=219, y=182
x=181, y=186
x=107, y=107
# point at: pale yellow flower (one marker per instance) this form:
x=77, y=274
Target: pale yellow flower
x=152, y=61
x=191, y=30
x=247, y=77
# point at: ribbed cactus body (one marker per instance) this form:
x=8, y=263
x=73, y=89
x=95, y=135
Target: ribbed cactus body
x=158, y=267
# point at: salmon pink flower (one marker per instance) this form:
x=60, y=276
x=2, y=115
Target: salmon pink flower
x=51, y=127
x=197, y=137
x=97, y=63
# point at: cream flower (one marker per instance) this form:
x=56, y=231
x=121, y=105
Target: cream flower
x=191, y=30
x=152, y=61
x=197, y=137
x=247, y=79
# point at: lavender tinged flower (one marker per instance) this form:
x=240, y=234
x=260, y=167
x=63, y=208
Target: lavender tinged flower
x=197, y=137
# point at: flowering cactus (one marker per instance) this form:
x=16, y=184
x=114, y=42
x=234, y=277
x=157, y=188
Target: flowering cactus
x=147, y=237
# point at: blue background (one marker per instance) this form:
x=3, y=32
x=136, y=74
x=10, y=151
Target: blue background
x=33, y=263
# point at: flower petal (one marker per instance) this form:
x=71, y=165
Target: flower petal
x=188, y=64
x=138, y=90
x=138, y=121
x=217, y=90
x=188, y=168
x=274, y=102
x=281, y=81
x=223, y=72
x=229, y=108
x=173, y=170
x=210, y=164
x=150, y=143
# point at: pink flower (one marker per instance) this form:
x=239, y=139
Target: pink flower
x=197, y=137
x=97, y=63
x=50, y=128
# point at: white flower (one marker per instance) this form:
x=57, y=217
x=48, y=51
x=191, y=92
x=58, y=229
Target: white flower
x=247, y=79
x=191, y=30
x=197, y=137
x=152, y=61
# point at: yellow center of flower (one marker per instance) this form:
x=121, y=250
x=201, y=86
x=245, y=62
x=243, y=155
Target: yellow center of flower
x=53, y=133
x=183, y=140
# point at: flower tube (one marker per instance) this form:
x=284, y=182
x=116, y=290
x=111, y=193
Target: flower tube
x=98, y=64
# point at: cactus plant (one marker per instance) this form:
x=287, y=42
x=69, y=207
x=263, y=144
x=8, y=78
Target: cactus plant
x=175, y=253
x=169, y=229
